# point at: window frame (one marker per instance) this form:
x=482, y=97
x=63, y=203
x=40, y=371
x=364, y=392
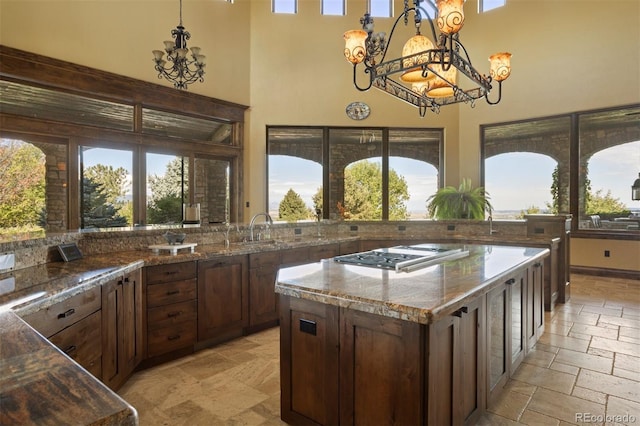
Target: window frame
x=60, y=76
x=574, y=170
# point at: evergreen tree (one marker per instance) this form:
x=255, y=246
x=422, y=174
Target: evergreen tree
x=293, y=208
x=103, y=191
x=165, y=201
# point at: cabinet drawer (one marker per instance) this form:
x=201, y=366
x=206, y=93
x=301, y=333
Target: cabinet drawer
x=295, y=256
x=82, y=342
x=350, y=247
x=165, y=316
x=171, y=272
x=168, y=339
x=168, y=293
x=51, y=320
x=268, y=258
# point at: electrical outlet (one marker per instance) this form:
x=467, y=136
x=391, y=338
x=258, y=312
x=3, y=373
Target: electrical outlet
x=607, y=253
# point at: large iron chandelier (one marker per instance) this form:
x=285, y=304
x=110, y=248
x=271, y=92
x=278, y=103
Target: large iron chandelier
x=180, y=69
x=428, y=72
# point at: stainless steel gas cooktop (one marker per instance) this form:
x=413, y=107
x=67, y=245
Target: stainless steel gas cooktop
x=402, y=258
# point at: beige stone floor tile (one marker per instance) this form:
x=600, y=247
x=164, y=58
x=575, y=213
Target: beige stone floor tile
x=612, y=385
x=609, y=331
x=510, y=405
x=490, y=419
x=547, y=348
x=563, y=407
x=584, y=360
x=533, y=418
x=546, y=378
x=570, y=369
x=565, y=342
x=631, y=312
x=582, y=318
x=204, y=367
x=614, y=312
x=627, y=374
x=629, y=332
x=590, y=395
x=540, y=358
x=520, y=387
x=580, y=336
x=600, y=352
x=627, y=362
x=617, y=346
x=628, y=411
x=561, y=328
x=623, y=322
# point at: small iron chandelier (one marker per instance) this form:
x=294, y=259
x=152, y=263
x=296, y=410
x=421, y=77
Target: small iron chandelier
x=428, y=77
x=181, y=70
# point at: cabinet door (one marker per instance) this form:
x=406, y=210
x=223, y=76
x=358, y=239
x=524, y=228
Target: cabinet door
x=517, y=294
x=497, y=347
x=309, y=347
x=535, y=304
x=455, y=365
x=223, y=293
x=263, y=300
x=83, y=343
x=122, y=328
x=381, y=375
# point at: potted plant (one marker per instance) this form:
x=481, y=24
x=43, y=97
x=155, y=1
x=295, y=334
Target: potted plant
x=464, y=202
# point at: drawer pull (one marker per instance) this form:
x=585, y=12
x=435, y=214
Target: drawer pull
x=174, y=314
x=174, y=337
x=70, y=349
x=511, y=281
x=171, y=272
x=172, y=292
x=67, y=313
x=537, y=265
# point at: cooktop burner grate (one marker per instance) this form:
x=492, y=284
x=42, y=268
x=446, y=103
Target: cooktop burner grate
x=378, y=259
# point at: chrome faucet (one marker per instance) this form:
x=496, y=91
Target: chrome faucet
x=491, y=230
x=253, y=221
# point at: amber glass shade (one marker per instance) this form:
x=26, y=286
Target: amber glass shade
x=354, y=48
x=420, y=87
x=439, y=87
x=500, y=66
x=450, y=15
x=416, y=44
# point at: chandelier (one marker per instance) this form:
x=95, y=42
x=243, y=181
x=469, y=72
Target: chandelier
x=179, y=69
x=428, y=73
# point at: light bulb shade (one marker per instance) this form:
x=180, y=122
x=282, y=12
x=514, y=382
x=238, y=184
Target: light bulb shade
x=450, y=15
x=158, y=54
x=416, y=44
x=354, y=47
x=195, y=51
x=635, y=189
x=440, y=86
x=169, y=45
x=500, y=66
x=420, y=87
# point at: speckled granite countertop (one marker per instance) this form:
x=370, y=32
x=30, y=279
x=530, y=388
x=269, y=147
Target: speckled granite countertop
x=38, y=383
x=422, y=296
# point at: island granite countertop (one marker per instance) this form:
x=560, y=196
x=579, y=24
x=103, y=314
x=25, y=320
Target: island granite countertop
x=421, y=296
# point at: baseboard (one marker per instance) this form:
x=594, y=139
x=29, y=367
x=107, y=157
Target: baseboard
x=605, y=272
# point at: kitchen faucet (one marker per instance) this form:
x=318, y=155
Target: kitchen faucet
x=491, y=230
x=253, y=220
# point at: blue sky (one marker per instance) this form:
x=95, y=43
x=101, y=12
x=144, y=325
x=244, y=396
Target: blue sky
x=615, y=168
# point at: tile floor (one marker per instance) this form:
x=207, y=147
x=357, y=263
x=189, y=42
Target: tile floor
x=584, y=370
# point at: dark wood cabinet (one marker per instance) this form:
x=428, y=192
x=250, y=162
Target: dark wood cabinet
x=82, y=342
x=75, y=327
x=263, y=300
x=122, y=329
x=507, y=307
x=455, y=366
x=223, y=297
x=172, y=310
x=381, y=375
x=535, y=304
x=349, y=247
x=309, y=365
x=324, y=251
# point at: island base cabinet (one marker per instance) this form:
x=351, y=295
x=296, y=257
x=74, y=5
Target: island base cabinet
x=309, y=348
x=455, y=360
x=380, y=370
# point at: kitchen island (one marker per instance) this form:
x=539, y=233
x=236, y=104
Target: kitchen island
x=369, y=345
